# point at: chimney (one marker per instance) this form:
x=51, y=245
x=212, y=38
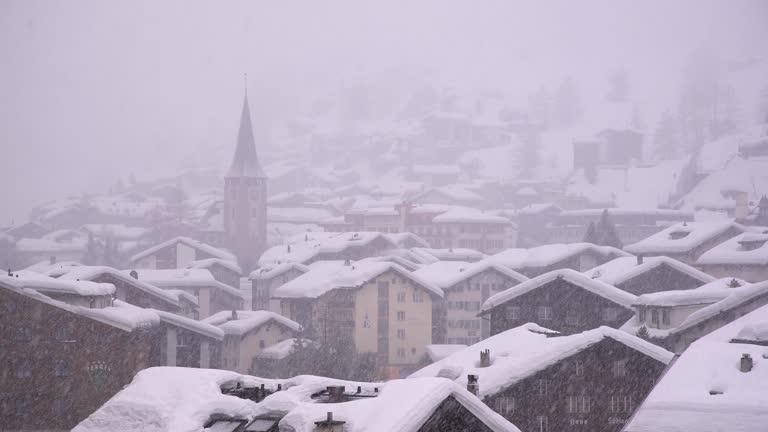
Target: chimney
x=329, y=424
x=335, y=394
x=10, y=273
x=347, y=262
x=289, y=248
x=472, y=384
x=485, y=358
x=639, y=259
x=279, y=387
x=234, y=315
x=52, y=259
x=746, y=363
x=134, y=274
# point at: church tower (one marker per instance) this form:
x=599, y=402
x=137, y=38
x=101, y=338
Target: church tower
x=245, y=197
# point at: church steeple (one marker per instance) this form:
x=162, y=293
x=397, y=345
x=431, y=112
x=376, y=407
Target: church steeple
x=245, y=162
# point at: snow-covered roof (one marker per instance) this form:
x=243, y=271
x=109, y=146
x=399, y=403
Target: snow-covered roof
x=522, y=351
x=183, y=278
x=210, y=262
x=121, y=315
x=45, y=245
x=430, y=255
x=270, y=271
x=303, y=247
x=183, y=400
x=324, y=276
x=247, y=321
x=547, y=255
x=117, y=231
x=46, y=284
x=446, y=274
x=622, y=269
x=92, y=272
x=281, y=349
x=705, y=391
x=736, y=251
x=56, y=269
x=597, y=287
x=436, y=169
x=681, y=237
x=190, y=324
x=462, y=215
x=195, y=244
x=707, y=294
x=438, y=352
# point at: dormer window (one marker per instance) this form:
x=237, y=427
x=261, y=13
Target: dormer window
x=677, y=235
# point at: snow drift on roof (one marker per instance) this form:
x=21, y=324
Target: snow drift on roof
x=681, y=237
x=546, y=255
x=195, y=244
x=622, y=269
x=735, y=251
x=247, y=321
x=446, y=274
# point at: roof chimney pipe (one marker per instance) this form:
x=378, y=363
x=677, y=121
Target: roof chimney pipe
x=746, y=363
x=134, y=274
x=639, y=259
x=485, y=358
x=472, y=384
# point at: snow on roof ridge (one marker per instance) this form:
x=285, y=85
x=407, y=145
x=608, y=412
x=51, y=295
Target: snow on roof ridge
x=40, y=282
x=268, y=272
x=466, y=270
x=208, y=262
x=91, y=272
x=731, y=252
x=594, y=286
x=183, y=278
x=649, y=263
x=662, y=243
x=247, y=321
x=190, y=324
x=548, y=254
x=211, y=250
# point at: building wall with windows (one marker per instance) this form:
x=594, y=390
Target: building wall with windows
x=239, y=350
x=58, y=366
x=559, y=305
x=263, y=289
x=597, y=390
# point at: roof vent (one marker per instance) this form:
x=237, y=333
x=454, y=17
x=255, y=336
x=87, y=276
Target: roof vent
x=485, y=358
x=746, y=363
x=134, y=274
x=639, y=259
x=329, y=424
x=472, y=384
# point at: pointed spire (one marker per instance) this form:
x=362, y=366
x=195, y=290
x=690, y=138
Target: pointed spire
x=245, y=163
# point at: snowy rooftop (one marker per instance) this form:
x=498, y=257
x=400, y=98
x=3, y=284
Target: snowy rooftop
x=324, y=276
x=446, y=274
x=46, y=284
x=247, y=321
x=184, y=399
x=190, y=324
x=430, y=255
x=705, y=391
x=437, y=352
x=117, y=231
x=56, y=269
x=302, y=247
x=706, y=294
x=210, y=262
x=203, y=247
x=461, y=215
x=281, y=349
x=546, y=255
x=681, y=237
x=622, y=269
x=183, y=278
x=121, y=315
x=270, y=271
x=520, y=352
x=93, y=272
x=600, y=288
x=748, y=248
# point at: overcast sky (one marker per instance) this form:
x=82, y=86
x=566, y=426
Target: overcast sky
x=93, y=90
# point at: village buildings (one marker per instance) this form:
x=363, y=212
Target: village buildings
x=641, y=275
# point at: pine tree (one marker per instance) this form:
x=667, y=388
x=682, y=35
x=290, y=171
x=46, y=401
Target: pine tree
x=733, y=283
x=643, y=333
x=604, y=232
x=591, y=234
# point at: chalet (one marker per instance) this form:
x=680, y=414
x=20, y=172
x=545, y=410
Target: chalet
x=378, y=306
x=226, y=401
x=224, y=271
x=744, y=256
x=134, y=291
x=640, y=275
x=564, y=300
x=177, y=253
x=466, y=286
x=545, y=382
x=686, y=241
x=47, y=382
x=717, y=384
x=265, y=280
x=542, y=259
x=212, y=296
x=247, y=333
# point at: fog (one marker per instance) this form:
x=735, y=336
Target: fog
x=94, y=90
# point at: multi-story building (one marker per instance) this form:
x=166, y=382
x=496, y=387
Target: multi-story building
x=542, y=382
x=563, y=300
x=744, y=256
x=466, y=286
x=378, y=306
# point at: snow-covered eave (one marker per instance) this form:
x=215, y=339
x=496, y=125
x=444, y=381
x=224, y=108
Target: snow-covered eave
x=195, y=326
x=196, y=283
x=197, y=245
x=655, y=262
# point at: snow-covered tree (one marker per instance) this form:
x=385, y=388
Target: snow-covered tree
x=603, y=233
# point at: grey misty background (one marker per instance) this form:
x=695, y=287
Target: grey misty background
x=93, y=91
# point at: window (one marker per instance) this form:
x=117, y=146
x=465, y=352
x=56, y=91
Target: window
x=418, y=296
x=261, y=343
x=401, y=315
x=655, y=317
x=578, y=404
x=643, y=314
x=21, y=405
x=544, y=313
x=24, y=369
x=665, y=316
x=622, y=404
x=542, y=424
x=505, y=405
x=62, y=334
x=61, y=368
x=543, y=384
x=572, y=318
x=60, y=407
x=579, y=367
x=401, y=297
x=401, y=334
x=401, y=352
x=610, y=314
x=513, y=312
x=620, y=368
x=23, y=334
